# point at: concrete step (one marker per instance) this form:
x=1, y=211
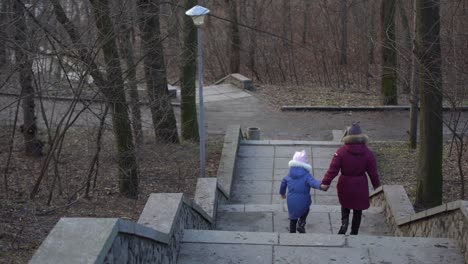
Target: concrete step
x=274, y=218
x=318, y=208
x=209, y=246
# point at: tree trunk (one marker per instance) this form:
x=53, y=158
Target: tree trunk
x=243, y=4
x=306, y=23
x=164, y=122
x=286, y=22
x=371, y=45
x=3, y=34
x=414, y=110
x=234, y=38
x=429, y=191
x=344, y=32
x=188, y=73
x=389, y=73
x=255, y=17
x=114, y=93
x=128, y=53
x=372, y=33
x=32, y=145
x=408, y=46
x=128, y=173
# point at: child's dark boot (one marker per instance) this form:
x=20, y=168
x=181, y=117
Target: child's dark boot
x=292, y=226
x=301, y=226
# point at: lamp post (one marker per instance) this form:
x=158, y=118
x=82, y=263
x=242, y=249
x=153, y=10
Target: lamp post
x=198, y=14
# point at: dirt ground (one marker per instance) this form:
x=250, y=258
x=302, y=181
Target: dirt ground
x=24, y=223
x=398, y=165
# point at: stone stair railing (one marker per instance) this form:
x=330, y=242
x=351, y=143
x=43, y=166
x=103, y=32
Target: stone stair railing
x=155, y=238
x=448, y=220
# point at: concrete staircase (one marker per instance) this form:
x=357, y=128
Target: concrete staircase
x=254, y=227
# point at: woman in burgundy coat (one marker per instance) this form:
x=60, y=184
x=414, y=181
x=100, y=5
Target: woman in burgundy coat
x=354, y=160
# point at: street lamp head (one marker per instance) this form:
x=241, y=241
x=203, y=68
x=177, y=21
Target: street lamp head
x=198, y=14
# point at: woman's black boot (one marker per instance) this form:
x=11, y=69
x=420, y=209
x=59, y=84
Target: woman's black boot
x=343, y=228
x=344, y=221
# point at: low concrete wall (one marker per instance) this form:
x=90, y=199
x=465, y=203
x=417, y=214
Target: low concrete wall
x=448, y=220
x=227, y=164
x=156, y=237
x=238, y=80
x=205, y=196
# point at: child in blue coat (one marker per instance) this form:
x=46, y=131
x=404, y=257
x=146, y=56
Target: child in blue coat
x=298, y=182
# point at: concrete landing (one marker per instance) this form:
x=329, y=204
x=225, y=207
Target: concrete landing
x=204, y=246
x=274, y=218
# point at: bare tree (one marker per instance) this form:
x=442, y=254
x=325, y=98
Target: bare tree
x=3, y=33
x=112, y=89
x=188, y=73
x=164, y=122
x=305, y=19
x=129, y=171
x=255, y=18
x=429, y=172
x=33, y=146
x=344, y=32
x=414, y=109
x=371, y=44
x=127, y=36
x=286, y=22
x=405, y=54
x=459, y=140
x=234, y=37
x=389, y=74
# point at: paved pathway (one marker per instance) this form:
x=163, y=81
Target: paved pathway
x=226, y=104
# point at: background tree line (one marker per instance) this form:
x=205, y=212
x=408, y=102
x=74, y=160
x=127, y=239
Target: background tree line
x=107, y=49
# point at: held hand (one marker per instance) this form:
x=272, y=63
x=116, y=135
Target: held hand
x=324, y=187
x=283, y=196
